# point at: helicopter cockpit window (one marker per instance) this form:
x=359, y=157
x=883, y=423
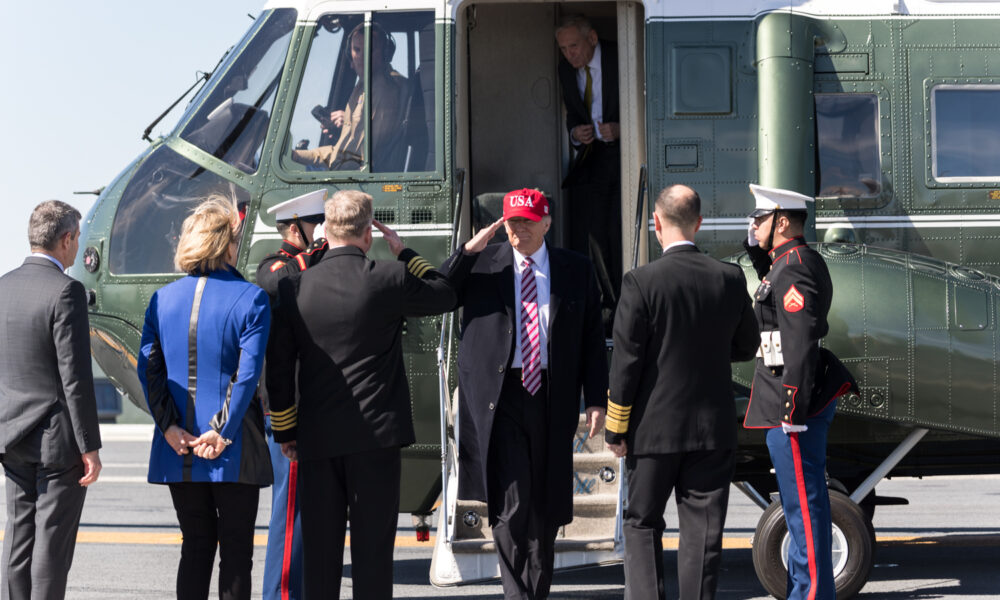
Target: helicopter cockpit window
x=163, y=192
x=232, y=121
x=848, y=145
x=964, y=127
x=329, y=124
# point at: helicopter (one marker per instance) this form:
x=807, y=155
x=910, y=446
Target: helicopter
x=881, y=109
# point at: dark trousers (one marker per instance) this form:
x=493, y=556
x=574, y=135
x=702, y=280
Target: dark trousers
x=283, y=559
x=595, y=217
x=43, y=515
x=799, y=461
x=516, y=478
x=367, y=485
x=701, y=480
x=215, y=514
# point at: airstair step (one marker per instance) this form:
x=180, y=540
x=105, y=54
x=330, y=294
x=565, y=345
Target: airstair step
x=562, y=545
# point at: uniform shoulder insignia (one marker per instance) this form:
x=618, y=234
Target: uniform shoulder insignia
x=277, y=265
x=793, y=300
x=301, y=261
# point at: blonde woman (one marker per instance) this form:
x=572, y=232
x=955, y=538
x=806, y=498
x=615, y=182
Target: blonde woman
x=203, y=344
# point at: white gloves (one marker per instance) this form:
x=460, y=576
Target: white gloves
x=789, y=428
x=751, y=238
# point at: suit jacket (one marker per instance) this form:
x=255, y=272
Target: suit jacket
x=46, y=381
x=576, y=350
x=207, y=380
x=794, y=298
x=681, y=320
x=577, y=114
x=342, y=323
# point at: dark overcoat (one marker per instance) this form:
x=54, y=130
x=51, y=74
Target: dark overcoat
x=484, y=283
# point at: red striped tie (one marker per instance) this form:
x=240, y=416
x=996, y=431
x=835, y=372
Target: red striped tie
x=531, y=348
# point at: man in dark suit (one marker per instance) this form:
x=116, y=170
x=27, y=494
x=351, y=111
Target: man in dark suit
x=588, y=75
x=49, y=438
x=341, y=321
x=681, y=320
x=531, y=341
x=296, y=220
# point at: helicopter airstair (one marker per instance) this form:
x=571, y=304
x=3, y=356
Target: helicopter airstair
x=464, y=551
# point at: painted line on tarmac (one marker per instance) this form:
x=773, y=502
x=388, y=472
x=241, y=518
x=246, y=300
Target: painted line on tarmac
x=409, y=541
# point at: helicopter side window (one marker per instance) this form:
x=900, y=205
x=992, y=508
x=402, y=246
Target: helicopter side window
x=848, y=145
x=331, y=123
x=163, y=192
x=964, y=125
x=232, y=122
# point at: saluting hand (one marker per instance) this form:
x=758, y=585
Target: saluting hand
x=479, y=241
x=391, y=237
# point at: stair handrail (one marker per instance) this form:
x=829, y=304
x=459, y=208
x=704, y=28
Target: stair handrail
x=444, y=359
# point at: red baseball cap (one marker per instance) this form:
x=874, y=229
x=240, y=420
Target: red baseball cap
x=530, y=204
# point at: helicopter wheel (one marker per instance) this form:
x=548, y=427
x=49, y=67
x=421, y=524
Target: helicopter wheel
x=853, y=547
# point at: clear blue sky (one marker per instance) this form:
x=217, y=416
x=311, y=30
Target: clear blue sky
x=82, y=80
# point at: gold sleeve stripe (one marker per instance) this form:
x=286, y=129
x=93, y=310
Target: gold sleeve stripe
x=615, y=426
x=284, y=419
x=617, y=413
x=278, y=414
x=618, y=407
x=418, y=266
x=283, y=426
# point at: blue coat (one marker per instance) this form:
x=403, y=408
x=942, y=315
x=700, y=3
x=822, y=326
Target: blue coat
x=230, y=339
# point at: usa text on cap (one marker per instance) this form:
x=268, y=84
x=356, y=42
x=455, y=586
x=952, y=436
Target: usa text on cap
x=301, y=207
x=769, y=200
x=530, y=204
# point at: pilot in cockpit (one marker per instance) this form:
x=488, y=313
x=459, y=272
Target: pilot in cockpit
x=388, y=89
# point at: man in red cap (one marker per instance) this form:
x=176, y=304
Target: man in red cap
x=532, y=340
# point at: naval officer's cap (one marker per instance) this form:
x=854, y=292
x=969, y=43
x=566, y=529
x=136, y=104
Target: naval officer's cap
x=769, y=200
x=307, y=208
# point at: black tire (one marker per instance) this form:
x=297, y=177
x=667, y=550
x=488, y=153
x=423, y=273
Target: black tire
x=856, y=530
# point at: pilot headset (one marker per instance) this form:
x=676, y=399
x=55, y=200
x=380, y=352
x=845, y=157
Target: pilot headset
x=379, y=35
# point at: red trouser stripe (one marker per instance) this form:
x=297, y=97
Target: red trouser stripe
x=286, y=559
x=800, y=483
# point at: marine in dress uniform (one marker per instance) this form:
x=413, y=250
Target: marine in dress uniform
x=337, y=340
x=297, y=221
x=796, y=382
x=681, y=320
x=531, y=341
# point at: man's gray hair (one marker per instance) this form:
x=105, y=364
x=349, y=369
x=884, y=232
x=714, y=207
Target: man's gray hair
x=49, y=222
x=581, y=23
x=348, y=214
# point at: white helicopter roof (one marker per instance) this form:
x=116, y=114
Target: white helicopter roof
x=310, y=10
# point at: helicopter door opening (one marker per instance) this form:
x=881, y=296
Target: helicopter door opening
x=511, y=114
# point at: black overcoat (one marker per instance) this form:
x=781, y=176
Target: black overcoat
x=484, y=283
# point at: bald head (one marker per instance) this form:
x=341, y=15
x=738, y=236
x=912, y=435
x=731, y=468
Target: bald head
x=679, y=206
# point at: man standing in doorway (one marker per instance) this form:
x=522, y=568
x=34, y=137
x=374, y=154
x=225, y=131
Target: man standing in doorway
x=682, y=319
x=588, y=74
x=796, y=383
x=49, y=438
x=532, y=341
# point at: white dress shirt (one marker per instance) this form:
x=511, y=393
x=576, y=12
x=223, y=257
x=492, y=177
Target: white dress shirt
x=597, y=103
x=54, y=260
x=677, y=243
x=540, y=267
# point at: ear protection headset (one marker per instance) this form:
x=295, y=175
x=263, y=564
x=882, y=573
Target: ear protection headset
x=379, y=36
